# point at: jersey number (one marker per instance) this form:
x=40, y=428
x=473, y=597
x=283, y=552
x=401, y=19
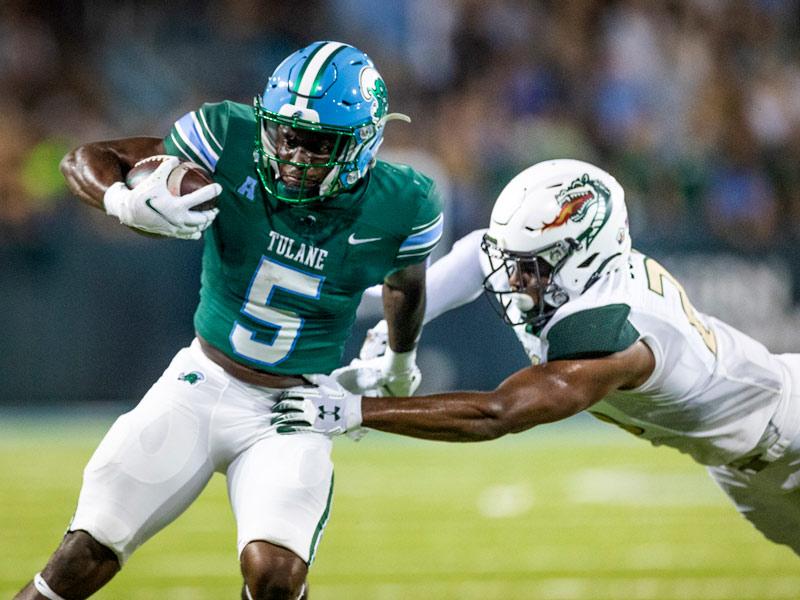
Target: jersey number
x=656, y=276
x=269, y=277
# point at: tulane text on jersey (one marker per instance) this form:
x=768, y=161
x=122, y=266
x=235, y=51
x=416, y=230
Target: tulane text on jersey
x=281, y=292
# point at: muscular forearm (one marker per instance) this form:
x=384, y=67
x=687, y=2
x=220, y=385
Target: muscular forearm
x=404, y=307
x=453, y=417
x=89, y=171
x=529, y=397
x=532, y=396
x=404, y=314
x=92, y=168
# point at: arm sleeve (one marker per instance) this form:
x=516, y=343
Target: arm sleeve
x=199, y=135
x=453, y=280
x=591, y=333
x=456, y=278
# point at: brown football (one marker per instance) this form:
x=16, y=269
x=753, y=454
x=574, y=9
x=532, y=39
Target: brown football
x=183, y=179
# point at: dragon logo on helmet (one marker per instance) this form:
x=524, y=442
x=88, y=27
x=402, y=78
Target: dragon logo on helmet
x=374, y=89
x=582, y=196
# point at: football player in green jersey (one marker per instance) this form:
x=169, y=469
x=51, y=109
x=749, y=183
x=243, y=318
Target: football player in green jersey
x=306, y=219
x=609, y=331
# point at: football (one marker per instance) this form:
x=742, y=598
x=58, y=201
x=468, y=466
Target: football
x=183, y=179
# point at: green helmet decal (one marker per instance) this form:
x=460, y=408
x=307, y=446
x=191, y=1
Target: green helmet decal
x=373, y=88
x=582, y=196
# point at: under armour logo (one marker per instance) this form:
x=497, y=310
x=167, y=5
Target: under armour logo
x=334, y=412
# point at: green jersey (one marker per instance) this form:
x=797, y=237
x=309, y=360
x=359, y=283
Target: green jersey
x=281, y=282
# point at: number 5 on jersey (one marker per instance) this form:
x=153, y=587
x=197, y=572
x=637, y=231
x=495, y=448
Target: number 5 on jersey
x=271, y=276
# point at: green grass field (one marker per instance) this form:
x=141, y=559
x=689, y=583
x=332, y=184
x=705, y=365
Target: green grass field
x=568, y=512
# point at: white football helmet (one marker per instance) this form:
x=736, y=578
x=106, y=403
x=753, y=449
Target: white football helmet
x=563, y=223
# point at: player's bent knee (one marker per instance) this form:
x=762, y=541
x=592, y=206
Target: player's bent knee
x=80, y=566
x=272, y=572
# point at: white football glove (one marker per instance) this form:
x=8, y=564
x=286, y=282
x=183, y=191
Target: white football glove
x=326, y=407
x=401, y=375
x=393, y=374
x=376, y=341
x=378, y=370
x=152, y=208
x=362, y=377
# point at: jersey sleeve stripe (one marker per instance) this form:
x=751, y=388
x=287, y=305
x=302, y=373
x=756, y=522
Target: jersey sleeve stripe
x=422, y=239
x=207, y=130
x=201, y=134
x=426, y=244
x=430, y=240
x=413, y=254
x=187, y=128
x=182, y=148
x=430, y=223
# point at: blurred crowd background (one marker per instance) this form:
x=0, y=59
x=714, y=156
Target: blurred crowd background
x=694, y=105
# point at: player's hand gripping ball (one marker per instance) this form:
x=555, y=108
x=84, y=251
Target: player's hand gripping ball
x=162, y=195
x=184, y=179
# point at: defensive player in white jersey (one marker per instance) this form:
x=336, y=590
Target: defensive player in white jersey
x=608, y=330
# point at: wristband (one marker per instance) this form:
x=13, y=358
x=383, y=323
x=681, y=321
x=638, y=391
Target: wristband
x=112, y=199
x=352, y=416
x=400, y=362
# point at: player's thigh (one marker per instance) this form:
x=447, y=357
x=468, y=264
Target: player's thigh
x=280, y=490
x=151, y=464
x=774, y=511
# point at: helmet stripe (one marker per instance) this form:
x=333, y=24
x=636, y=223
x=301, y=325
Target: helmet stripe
x=312, y=71
x=304, y=68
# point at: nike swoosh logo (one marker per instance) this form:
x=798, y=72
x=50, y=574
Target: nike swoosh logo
x=155, y=210
x=355, y=241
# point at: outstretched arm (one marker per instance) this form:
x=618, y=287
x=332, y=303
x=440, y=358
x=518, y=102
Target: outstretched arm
x=453, y=280
x=535, y=395
x=530, y=397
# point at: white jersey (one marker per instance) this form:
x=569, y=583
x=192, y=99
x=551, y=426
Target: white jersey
x=714, y=390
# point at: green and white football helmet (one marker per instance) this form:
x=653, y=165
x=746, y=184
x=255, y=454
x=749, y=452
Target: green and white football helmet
x=564, y=224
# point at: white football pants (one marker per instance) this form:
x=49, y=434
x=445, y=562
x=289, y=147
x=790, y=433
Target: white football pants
x=770, y=498
x=197, y=420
